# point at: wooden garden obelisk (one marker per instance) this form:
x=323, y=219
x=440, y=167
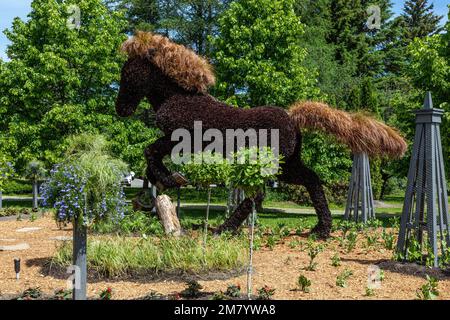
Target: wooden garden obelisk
x=426, y=202
x=360, y=206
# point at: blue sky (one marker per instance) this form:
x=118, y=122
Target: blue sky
x=20, y=8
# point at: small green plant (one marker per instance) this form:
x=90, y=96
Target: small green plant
x=374, y=223
x=336, y=260
x=313, y=251
x=346, y=226
x=33, y=216
x=299, y=231
x=293, y=244
x=192, y=290
x=31, y=293
x=62, y=294
x=106, y=294
x=429, y=290
x=341, y=280
x=370, y=292
x=271, y=241
x=219, y=295
x=266, y=293
x=304, y=283
x=233, y=291
x=351, y=241
x=372, y=239
x=388, y=239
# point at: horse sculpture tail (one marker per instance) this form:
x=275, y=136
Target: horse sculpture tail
x=361, y=133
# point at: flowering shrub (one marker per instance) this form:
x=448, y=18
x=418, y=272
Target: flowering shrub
x=106, y=294
x=67, y=190
x=87, y=184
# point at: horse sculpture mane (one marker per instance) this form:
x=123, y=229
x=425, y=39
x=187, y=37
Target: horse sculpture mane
x=184, y=66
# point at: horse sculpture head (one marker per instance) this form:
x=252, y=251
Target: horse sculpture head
x=158, y=68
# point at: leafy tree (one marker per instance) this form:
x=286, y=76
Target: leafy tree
x=430, y=70
x=62, y=81
x=193, y=21
x=258, y=54
x=419, y=19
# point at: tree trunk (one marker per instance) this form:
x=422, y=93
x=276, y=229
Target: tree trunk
x=167, y=213
x=385, y=178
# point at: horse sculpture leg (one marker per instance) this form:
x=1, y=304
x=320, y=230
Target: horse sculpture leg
x=239, y=215
x=295, y=172
x=156, y=172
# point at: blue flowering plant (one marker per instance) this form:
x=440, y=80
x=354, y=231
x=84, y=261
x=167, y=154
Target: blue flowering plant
x=87, y=186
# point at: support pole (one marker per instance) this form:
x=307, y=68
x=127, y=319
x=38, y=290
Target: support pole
x=178, y=201
x=35, y=195
x=250, y=263
x=425, y=208
x=360, y=204
x=79, y=259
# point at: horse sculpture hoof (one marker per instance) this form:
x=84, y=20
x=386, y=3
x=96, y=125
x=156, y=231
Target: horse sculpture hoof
x=180, y=179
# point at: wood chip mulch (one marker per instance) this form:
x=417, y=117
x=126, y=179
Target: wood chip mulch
x=278, y=268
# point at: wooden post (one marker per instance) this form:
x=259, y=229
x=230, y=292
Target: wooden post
x=250, y=263
x=178, y=201
x=207, y=217
x=1, y=199
x=168, y=215
x=360, y=205
x=35, y=194
x=79, y=260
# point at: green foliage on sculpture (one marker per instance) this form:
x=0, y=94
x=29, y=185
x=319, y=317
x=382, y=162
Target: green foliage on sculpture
x=253, y=167
x=207, y=168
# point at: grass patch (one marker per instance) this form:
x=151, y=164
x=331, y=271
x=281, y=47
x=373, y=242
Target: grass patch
x=113, y=256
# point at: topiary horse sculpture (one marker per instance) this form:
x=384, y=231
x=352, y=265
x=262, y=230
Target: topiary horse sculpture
x=175, y=81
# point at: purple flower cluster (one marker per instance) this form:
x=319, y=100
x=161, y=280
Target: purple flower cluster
x=67, y=191
x=64, y=191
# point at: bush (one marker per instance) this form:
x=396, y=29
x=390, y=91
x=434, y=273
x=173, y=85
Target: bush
x=16, y=186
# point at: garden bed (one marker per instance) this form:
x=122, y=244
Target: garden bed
x=278, y=263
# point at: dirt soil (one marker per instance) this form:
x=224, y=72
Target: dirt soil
x=278, y=268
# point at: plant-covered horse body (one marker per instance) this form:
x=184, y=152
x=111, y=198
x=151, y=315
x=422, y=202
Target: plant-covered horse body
x=175, y=81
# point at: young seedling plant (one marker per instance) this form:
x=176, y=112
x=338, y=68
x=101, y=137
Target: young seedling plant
x=429, y=291
x=313, y=250
x=204, y=169
x=250, y=171
x=304, y=283
x=341, y=280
